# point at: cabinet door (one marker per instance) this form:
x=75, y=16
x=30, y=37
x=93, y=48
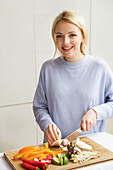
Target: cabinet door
x=45, y=13
x=17, y=127
x=17, y=52
x=102, y=36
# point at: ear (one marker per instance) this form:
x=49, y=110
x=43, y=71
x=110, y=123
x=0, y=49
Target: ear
x=83, y=39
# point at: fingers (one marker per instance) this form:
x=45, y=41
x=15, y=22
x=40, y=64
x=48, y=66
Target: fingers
x=49, y=139
x=59, y=133
x=52, y=133
x=51, y=130
x=54, y=129
x=86, y=125
x=88, y=120
x=83, y=125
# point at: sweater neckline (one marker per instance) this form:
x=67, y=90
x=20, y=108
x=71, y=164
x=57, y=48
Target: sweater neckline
x=76, y=64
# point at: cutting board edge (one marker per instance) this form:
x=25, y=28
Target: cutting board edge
x=9, y=162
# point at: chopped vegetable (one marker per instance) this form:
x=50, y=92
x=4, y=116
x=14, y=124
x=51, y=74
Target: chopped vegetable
x=42, y=165
x=55, y=161
x=61, y=160
x=26, y=149
x=32, y=152
x=46, y=161
x=36, y=159
x=46, y=145
x=65, y=160
x=49, y=157
x=30, y=167
x=61, y=155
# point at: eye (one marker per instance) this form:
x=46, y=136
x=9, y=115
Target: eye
x=59, y=36
x=73, y=35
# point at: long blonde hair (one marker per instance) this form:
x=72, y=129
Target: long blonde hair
x=74, y=18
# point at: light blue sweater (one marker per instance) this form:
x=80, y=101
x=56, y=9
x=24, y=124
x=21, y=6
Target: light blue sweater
x=67, y=90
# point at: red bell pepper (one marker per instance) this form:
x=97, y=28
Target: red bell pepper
x=42, y=165
x=30, y=167
x=49, y=157
x=48, y=161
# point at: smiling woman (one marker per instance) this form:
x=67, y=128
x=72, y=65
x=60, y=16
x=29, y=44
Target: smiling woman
x=77, y=27
x=76, y=89
x=68, y=41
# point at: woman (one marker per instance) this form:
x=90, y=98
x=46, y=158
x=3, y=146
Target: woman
x=74, y=90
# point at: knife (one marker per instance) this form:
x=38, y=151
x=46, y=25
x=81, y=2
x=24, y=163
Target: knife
x=74, y=135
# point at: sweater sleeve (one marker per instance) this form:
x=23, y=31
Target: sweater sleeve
x=105, y=110
x=40, y=104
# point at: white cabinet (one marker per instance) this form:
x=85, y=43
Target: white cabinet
x=17, y=127
x=17, y=74
x=17, y=52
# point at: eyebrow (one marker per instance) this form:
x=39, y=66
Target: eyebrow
x=58, y=33
x=68, y=32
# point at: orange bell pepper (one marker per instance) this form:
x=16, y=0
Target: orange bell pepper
x=31, y=152
x=26, y=149
x=46, y=145
x=35, y=156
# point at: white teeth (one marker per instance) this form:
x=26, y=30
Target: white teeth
x=67, y=48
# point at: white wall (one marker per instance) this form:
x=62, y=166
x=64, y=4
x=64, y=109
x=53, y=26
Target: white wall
x=25, y=34
x=102, y=36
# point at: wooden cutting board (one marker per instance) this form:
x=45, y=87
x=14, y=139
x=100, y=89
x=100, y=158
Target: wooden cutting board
x=106, y=155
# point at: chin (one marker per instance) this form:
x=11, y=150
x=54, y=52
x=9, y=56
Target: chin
x=68, y=57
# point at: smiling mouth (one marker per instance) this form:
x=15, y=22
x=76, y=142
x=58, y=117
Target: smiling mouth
x=67, y=48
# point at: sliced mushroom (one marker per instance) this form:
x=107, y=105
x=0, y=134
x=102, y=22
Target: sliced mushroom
x=65, y=142
x=65, y=148
x=56, y=143
x=84, y=156
x=82, y=145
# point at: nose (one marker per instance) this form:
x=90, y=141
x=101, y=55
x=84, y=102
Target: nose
x=65, y=40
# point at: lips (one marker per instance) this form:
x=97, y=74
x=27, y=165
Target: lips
x=67, y=48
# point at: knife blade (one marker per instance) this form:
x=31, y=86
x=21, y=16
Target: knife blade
x=74, y=135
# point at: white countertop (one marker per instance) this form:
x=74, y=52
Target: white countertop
x=103, y=138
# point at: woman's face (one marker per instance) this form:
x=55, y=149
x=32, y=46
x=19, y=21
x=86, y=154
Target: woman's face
x=68, y=41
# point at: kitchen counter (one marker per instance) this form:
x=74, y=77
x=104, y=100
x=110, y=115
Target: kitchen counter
x=102, y=138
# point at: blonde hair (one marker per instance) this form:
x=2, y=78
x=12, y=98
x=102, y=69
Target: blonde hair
x=74, y=18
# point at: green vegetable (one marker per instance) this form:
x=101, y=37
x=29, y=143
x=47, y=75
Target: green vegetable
x=65, y=160
x=55, y=161
x=61, y=160
x=61, y=155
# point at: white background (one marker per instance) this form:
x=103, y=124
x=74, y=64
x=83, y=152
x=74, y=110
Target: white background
x=25, y=43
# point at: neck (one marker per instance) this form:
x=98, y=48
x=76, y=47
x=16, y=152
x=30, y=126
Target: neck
x=75, y=58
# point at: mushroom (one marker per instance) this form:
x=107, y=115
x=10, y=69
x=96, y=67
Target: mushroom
x=65, y=142
x=83, y=146
x=60, y=143
x=56, y=143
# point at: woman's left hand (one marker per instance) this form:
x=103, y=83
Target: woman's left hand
x=88, y=120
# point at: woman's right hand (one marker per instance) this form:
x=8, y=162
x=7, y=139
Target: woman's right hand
x=52, y=133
